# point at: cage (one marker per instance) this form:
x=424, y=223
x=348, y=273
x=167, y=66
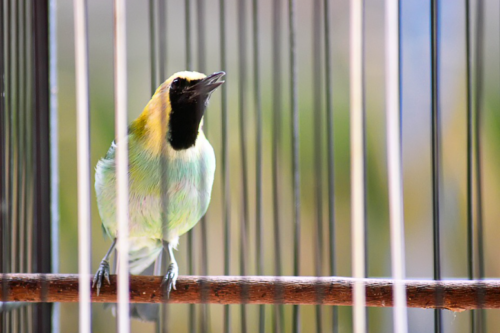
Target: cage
x=355, y=163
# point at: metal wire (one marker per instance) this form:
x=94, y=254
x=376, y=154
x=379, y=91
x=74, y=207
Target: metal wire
x=278, y=311
x=292, y=35
x=8, y=145
x=481, y=314
x=17, y=142
x=435, y=114
x=162, y=38
x=395, y=165
x=3, y=161
x=201, y=26
x=83, y=150
x=22, y=115
x=6, y=241
x=54, y=151
x=154, y=44
x=192, y=233
x=29, y=151
x=358, y=165
x=317, y=149
x=470, y=157
x=14, y=71
x=42, y=156
x=258, y=154
x=330, y=145
x=226, y=189
x=122, y=190
x=242, y=77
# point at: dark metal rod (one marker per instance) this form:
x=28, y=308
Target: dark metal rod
x=278, y=311
x=155, y=82
x=164, y=323
x=3, y=157
x=42, y=153
x=478, y=107
x=200, y=18
x=30, y=219
x=204, y=310
x=258, y=154
x=317, y=150
x=226, y=195
x=153, y=44
x=470, y=158
x=22, y=138
x=15, y=125
x=242, y=77
x=436, y=132
x=162, y=40
x=6, y=95
x=22, y=111
x=192, y=233
x=330, y=146
x=187, y=22
x=292, y=22
x=17, y=173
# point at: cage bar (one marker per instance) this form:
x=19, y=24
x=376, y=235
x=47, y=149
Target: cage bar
x=292, y=36
x=480, y=320
x=259, y=264
x=83, y=139
x=330, y=154
x=357, y=164
x=278, y=311
x=243, y=123
x=54, y=152
x=122, y=183
x=226, y=188
x=317, y=150
x=41, y=142
x=436, y=154
x=395, y=167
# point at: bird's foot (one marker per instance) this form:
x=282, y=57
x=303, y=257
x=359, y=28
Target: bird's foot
x=171, y=278
x=101, y=274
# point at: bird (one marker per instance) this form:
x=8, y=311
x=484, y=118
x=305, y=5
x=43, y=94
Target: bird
x=171, y=173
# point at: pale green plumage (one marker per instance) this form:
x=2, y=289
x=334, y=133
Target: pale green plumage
x=189, y=177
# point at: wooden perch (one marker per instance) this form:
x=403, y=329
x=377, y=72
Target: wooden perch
x=455, y=295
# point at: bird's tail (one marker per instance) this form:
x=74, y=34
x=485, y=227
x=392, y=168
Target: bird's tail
x=145, y=311
x=145, y=259
x=143, y=254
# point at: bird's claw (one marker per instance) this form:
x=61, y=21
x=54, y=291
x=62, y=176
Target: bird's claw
x=171, y=277
x=102, y=273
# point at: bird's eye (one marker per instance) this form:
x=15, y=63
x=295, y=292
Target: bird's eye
x=175, y=83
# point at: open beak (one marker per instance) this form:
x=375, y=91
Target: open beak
x=207, y=85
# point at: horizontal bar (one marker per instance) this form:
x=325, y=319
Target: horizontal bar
x=457, y=295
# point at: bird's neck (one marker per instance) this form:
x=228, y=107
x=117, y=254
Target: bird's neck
x=150, y=131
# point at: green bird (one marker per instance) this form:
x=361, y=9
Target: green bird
x=171, y=173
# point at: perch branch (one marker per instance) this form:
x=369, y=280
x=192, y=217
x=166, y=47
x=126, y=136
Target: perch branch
x=455, y=295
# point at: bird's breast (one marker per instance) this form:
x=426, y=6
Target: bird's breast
x=168, y=194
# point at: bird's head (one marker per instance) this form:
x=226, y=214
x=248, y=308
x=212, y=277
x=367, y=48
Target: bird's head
x=176, y=109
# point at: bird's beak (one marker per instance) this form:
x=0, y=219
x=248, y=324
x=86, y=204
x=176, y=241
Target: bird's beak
x=207, y=85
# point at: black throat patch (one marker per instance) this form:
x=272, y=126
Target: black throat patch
x=185, y=115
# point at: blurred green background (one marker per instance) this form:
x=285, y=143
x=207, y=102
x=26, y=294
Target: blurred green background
x=416, y=146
